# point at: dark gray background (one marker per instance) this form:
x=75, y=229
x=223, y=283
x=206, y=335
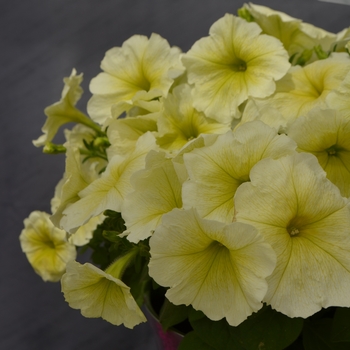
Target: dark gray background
x=40, y=42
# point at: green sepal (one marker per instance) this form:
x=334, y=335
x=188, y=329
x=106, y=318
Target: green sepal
x=304, y=57
x=52, y=148
x=321, y=54
x=245, y=14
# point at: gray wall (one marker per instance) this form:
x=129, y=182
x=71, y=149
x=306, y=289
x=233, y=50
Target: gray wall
x=40, y=42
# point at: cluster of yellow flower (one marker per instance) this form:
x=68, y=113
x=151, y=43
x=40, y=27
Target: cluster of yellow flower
x=233, y=159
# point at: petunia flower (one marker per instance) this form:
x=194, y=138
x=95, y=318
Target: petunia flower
x=179, y=122
x=226, y=71
x=46, y=246
x=64, y=111
x=218, y=269
x=157, y=190
x=295, y=35
x=215, y=172
x=307, y=222
x=109, y=190
x=141, y=70
x=100, y=293
x=326, y=134
x=304, y=88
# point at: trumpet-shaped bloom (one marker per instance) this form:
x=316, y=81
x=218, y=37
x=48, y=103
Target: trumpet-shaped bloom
x=108, y=191
x=216, y=171
x=46, y=246
x=326, y=134
x=64, y=111
x=157, y=191
x=226, y=71
x=218, y=269
x=179, y=122
x=78, y=175
x=295, y=35
x=141, y=70
x=305, y=88
x=307, y=222
x=98, y=294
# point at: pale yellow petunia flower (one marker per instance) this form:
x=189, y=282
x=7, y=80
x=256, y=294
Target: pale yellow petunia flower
x=218, y=269
x=141, y=70
x=307, y=222
x=179, y=122
x=109, y=190
x=215, y=172
x=99, y=293
x=46, y=246
x=295, y=35
x=304, y=88
x=326, y=134
x=64, y=111
x=157, y=190
x=226, y=71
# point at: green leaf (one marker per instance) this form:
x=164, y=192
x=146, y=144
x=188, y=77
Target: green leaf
x=317, y=336
x=269, y=330
x=192, y=342
x=170, y=314
x=265, y=330
x=218, y=334
x=341, y=325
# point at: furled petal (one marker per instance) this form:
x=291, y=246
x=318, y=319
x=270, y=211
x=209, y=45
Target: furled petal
x=64, y=111
x=98, y=294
